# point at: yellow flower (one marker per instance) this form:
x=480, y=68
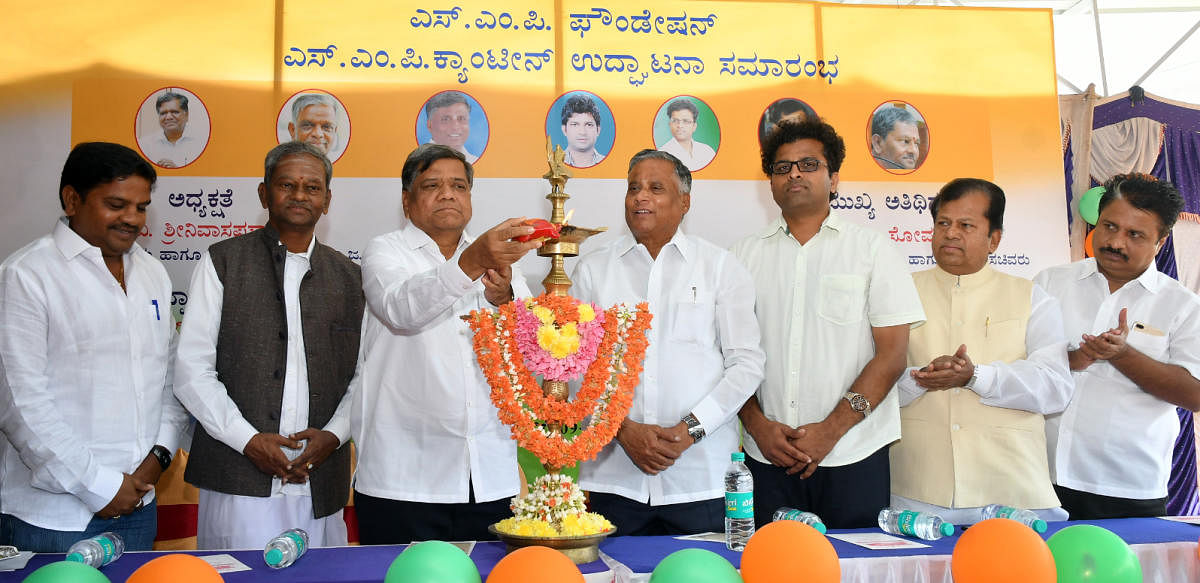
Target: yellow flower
x=586, y=313
x=544, y=314
x=559, y=343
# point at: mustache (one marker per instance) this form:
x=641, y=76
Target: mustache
x=1115, y=252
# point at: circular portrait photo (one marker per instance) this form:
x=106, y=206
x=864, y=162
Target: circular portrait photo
x=898, y=137
x=788, y=108
x=582, y=124
x=686, y=128
x=318, y=118
x=455, y=119
x=172, y=127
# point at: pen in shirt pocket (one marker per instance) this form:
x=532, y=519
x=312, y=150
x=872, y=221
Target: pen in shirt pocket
x=157, y=316
x=693, y=294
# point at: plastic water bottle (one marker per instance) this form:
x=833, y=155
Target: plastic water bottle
x=1027, y=517
x=739, y=503
x=808, y=518
x=97, y=551
x=912, y=523
x=283, y=550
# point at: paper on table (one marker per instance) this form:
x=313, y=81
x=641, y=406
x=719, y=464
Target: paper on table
x=17, y=562
x=712, y=537
x=466, y=545
x=225, y=563
x=878, y=541
x=1184, y=519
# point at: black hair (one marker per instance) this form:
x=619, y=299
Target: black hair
x=960, y=187
x=580, y=104
x=832, y=145
x=91, y=164
x=420, y=159
x=1145, y=193
x=683, y=103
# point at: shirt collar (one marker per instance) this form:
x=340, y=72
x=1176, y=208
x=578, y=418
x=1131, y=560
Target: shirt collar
x=1151, y=279
x=678, y=240
x=416, y=238
x=71, y=245
x=971, y=280
x=779, y=226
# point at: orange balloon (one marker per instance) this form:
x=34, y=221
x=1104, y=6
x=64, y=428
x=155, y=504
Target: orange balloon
x=1087, y=244
x=775, y=550
x=177, y=568
x=1000, y=550
x=535, y=565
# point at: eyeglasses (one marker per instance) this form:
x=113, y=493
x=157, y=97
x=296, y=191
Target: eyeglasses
x=806, y=165
x=682, y=121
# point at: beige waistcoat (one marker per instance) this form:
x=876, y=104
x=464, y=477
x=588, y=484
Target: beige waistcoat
x=955, y=451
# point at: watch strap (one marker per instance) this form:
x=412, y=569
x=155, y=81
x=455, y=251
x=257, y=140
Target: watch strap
x=694, y=428
x=163, y=456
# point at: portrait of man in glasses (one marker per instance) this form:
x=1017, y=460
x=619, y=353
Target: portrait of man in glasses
x=683, y=119
x=834, y=302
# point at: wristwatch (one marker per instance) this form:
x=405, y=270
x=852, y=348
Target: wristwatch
x=694, y=428
x=164, y=456
x=974, y=379
x=858, y=402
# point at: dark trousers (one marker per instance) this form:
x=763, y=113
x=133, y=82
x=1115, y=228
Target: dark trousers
x=382, y=521
x=849, y=496
x=1088, y=506
x=137, y=529
x=634, y=518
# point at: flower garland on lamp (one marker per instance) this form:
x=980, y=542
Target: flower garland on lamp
x=560, y=339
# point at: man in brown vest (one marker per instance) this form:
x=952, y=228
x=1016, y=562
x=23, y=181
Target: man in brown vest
x=266, y=355
x=989, y=362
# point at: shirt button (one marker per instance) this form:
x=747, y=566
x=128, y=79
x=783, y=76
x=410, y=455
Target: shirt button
x=282, y=335
x=793, y=405
x=278, y=374
x=957, y=391
x=955, y=427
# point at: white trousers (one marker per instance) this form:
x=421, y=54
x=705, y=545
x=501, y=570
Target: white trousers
x=228, y=521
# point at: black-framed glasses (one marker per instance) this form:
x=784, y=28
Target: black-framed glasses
x=782, y=167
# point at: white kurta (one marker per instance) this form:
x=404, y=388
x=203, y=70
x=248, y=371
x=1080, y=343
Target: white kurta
x=226, y=520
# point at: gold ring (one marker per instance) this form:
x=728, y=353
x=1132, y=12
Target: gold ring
x=310, y=467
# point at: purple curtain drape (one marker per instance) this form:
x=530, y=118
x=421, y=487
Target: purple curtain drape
x=1179, y=163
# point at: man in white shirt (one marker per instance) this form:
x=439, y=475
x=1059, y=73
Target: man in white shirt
x=662, y=475
x=87, y=419
x=581, y=128
x=1134, y=351
x=434, y=460
x=171, y=148
x=834, y=305
x=684, y=116
x=266, y=354
x=448, y=118
x=974, y=434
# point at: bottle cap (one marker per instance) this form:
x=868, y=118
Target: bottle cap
x=274, y=557
x=947, y=529
x=75, y=557
x=737, y=456
x=1039, y=526
x=819, y=526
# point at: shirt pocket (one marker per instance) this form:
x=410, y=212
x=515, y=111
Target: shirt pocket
x=693, y=322
x=842, y=298
x=1152, y=342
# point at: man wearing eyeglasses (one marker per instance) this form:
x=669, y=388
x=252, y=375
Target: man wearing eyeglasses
x=834, y=303
x=684, y=116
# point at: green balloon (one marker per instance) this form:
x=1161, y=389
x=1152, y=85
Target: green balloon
x=1085, y=553
x=1089, y=205
x=432, y=561
x=694, y=566
x=67, y=572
